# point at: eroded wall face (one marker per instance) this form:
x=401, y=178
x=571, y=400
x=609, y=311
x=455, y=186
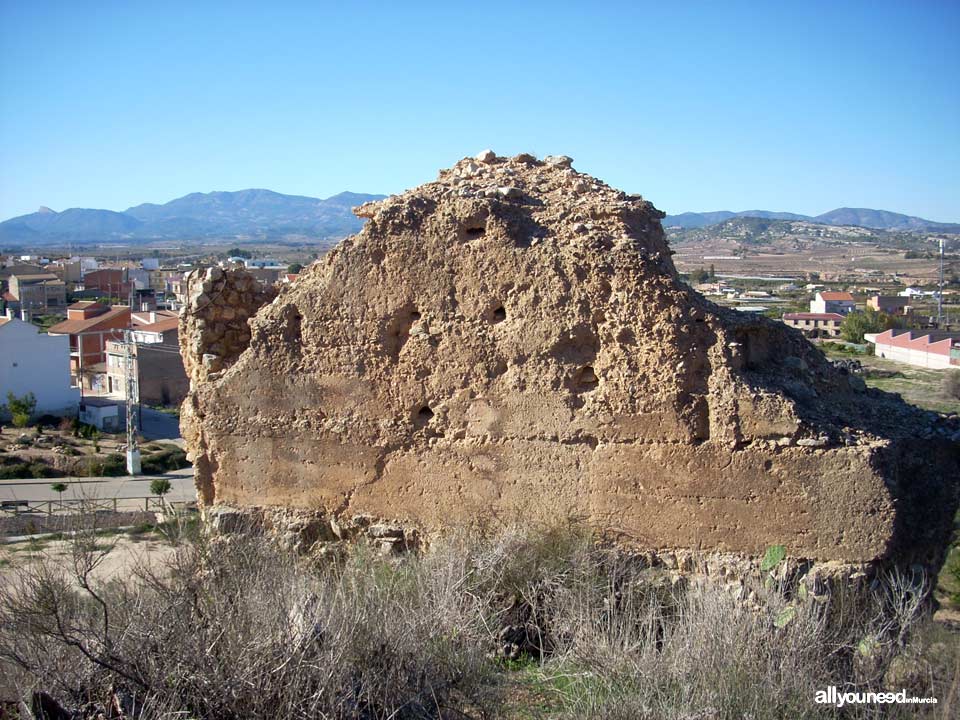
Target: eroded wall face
x=512, y=341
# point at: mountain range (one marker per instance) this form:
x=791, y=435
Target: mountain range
x=264, y=214
x=859, y=217
x=255, y=213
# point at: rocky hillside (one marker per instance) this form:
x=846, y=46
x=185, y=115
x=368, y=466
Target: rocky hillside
x=800, y=235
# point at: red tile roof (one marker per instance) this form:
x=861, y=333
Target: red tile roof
x=836, y=296
x=75, y=327
x=142, y=318
x=161, y=326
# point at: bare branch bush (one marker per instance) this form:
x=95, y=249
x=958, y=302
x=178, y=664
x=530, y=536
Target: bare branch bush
x=233, y=627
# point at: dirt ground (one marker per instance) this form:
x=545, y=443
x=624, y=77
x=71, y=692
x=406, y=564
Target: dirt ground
x=868, y=262
x=918, y=386
x=137, y=545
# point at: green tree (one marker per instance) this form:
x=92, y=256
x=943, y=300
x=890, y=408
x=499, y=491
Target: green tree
x=21, y=408
x=59, y=488
x=237, y=252
x=699, y=276
x=713, y=271
x=857, y=323
x=160, y=487
x=295, y=268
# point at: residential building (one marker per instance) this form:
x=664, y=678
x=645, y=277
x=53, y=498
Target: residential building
x=155, y=360
x=911, y=292
x=158, y=279
x=815, y=324
x=177, y=287
x=266, y=275
x=927, y=349
x=832, y=302
x=34, y=362
x=108, y=282
x=89, y=326
x=263, y=263
x=9, y=302
x=70, y=271
x=39, y=292
x=145, y=300
x=103, y=414
x=18, y=269
x=890, y=304
x=149, y=325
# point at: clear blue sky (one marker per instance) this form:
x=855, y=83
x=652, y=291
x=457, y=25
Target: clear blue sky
x=803, y=106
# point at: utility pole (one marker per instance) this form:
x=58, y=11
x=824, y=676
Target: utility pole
x=940, y=292
x=132, y=392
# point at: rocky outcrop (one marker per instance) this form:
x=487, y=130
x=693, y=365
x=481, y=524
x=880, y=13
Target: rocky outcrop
x=513, y=341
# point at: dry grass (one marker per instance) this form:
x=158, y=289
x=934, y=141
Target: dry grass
x=235, y=628
x=924, y=388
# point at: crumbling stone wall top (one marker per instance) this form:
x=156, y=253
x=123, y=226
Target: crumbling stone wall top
x=214, y=330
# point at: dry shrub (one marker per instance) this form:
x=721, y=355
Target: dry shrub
x=238, y=629
x=717, y=649
x=235, y=628
x=951, y=384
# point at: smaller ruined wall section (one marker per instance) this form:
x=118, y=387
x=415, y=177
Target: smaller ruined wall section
x=213, y=322
x=214, y=332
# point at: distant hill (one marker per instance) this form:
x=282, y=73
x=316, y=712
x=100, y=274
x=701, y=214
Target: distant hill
x=79, y=220
x=753, y=234
x=883, y=220
x=857, y=217
x=257, y=213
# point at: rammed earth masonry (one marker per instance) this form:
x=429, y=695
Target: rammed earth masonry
x=512, y=342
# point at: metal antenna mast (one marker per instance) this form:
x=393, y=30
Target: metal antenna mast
x=132, y=391
x=940, y=292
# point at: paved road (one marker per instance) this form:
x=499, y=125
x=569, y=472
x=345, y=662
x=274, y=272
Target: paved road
x=155, y=425
x=160, y=426
x=100, y=488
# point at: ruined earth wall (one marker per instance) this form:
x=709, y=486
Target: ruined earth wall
x=513, y=341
